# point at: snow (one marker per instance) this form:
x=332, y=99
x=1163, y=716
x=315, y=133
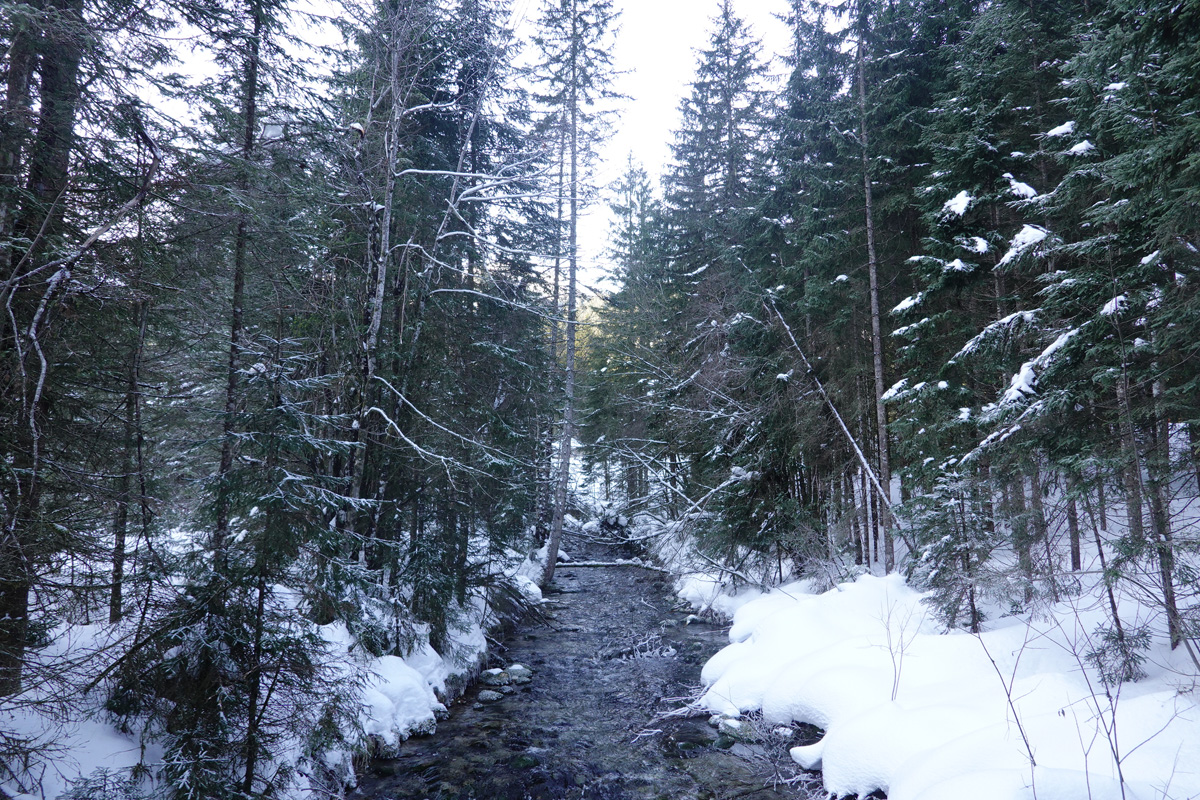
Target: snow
x=996, y=329
x=1150, y=259
x=978, y=245
x=895, y=390
x=1113, y=306
x=908, y=302
x=1020, y=189
x=399, y=701
x=709, y=593
x=1044, y=359
x=906, y=330
x=1083, y=147
x=958, y=204
x=925, y=714
x=1027, y=237
x=87, y=747
x=398, y=696
x=1115, y=87
x=957, y=265
x=1022, y=385
x=1066, y=129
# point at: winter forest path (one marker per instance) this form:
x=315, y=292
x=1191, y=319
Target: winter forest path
x=612, y=655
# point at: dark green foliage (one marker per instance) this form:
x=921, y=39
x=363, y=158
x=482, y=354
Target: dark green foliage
x=257, y=405
x=1118, y=655
x=1032, y=171
x=954, y=545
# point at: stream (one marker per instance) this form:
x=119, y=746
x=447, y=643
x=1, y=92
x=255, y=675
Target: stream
x=612, y=655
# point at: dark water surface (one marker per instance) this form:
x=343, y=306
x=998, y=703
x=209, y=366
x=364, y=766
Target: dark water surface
x=612, y=656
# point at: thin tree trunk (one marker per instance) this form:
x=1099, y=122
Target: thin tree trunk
x=1101, y=502
x=564, y=450
x=373, y=313
x=133, y=437
x=125, y=479
x=558, y=225
x=885, y=473
x=1194, y=448
x=1132, y=468
x=254, y=713
x=54, y=52
x=1040, y=527
x=236, y=323
x=1108, y=577
x=855, y=535
x=1159, y=473
x=867, y=527
x=1073, y=529
x=1020, y=535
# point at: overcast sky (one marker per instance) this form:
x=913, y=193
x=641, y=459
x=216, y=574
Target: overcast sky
x=656, y=48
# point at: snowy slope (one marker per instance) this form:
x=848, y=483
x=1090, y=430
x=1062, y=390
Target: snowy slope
x=927, y=715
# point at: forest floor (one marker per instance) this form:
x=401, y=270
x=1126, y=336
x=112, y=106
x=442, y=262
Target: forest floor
x=614, y=653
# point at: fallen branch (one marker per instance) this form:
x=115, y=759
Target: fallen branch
x=619, y=563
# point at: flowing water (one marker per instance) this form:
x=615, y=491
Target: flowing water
x=612, y=656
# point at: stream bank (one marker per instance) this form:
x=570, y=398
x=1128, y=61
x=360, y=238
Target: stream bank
x=614, y=653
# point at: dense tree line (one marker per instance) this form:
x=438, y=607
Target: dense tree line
x=277, y=352
x=290, y=341
x=928, y=307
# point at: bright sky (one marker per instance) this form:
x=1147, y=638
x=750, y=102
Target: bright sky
x=656, y=51
x=656, y=48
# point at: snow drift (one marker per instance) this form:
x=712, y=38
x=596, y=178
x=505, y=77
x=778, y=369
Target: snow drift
x=922, y=714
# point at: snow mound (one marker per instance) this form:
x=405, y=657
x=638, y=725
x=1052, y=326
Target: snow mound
x=399, y=702
x=921, y=714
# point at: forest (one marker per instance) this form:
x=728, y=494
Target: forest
x=294, y=337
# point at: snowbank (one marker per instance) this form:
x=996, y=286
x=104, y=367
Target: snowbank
x=927, y=715
x=399, y=697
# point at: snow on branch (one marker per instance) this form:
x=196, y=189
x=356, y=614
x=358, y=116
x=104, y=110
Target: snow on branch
x=957, y=205
x=1026, y=238
x=1001, y=329
x=1024, y=383
x=909, y=302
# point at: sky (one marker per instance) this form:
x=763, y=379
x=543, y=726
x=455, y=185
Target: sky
x=656, y=50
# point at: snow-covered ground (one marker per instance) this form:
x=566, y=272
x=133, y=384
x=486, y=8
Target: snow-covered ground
x=399, y=697
x=925, y=714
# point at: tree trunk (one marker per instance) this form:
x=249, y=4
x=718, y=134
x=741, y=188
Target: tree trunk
x=1073, y=529
x=132, y=456
x=855, y=535
x=1158, y=470
x=1040, y=527
x=54, y=53
x=240, y=248
x=1194, y=451
x=1019, y=516
x=564, y=449
x=1132, y=469
x=885, y=473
